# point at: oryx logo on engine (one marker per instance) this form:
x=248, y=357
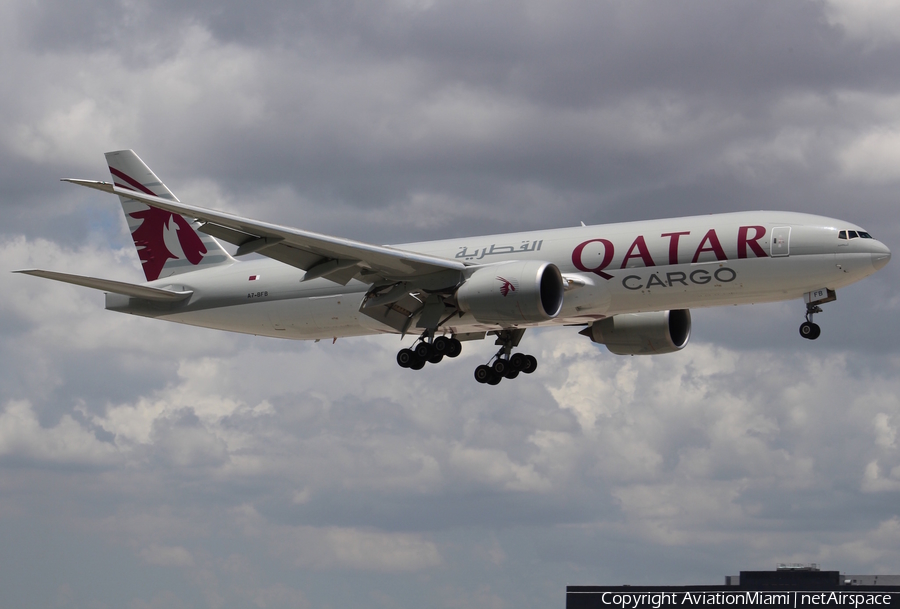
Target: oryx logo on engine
x=508, y=286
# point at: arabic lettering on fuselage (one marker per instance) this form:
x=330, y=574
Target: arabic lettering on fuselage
x=748, y=238
x=497, y=250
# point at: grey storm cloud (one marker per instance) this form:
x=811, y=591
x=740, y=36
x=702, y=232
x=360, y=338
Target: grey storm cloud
x=145, y=464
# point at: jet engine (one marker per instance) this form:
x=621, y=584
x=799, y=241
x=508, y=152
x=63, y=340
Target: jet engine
x=513, y=292
x=642, y=333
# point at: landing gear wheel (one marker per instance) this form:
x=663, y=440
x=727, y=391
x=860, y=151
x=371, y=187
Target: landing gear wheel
x=417, y=364
x=517, y=361
x=435, y=357
x=501, y=366
x=483, y=373
x=455, y=347
x=511, y=373
x=441, y=345
x=495, y=379
x=810, y=330
x=423, y=351
x=531, y=364
x=405, y=358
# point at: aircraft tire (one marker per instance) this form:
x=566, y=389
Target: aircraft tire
x=816, y=332
x=435, y=357
x=517, y=361
x=417, y=364
x=423, y=351
x=511, y=373
x=455, y=347
x=483, y=373
x=441, y=345
x=405, y=357
x=495, y=379
x=531, y=364
x=500, y=367
x=809, y=330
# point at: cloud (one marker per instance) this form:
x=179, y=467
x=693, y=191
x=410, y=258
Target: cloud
x=66, y=444
x=382, y=552
x=494, y=467
x=871, y=21
x=167, y=556
x=354, y=548
x=873, y=157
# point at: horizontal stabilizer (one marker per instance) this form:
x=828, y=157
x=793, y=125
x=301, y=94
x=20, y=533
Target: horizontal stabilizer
x=107, y=285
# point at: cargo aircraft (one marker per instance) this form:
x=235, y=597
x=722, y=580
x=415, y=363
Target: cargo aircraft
x=628, y=286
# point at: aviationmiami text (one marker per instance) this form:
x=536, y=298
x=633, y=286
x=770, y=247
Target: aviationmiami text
x=655, y=600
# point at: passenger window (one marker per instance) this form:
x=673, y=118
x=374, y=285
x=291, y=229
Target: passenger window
x=842, y=234
x=852, y=234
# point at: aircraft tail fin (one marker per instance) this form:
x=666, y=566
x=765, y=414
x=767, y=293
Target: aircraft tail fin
x=167, y=243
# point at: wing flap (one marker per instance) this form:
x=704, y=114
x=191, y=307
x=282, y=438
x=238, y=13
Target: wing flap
x=108, y=285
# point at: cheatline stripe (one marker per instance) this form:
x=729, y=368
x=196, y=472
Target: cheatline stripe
x=131, y=181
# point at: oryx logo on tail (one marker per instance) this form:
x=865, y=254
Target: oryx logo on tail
x=507, y=286
x=153, y=245
x=166, y=242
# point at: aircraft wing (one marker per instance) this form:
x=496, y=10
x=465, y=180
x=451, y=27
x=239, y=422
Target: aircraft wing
x=334, y=258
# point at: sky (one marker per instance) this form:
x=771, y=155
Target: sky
x=148, y=465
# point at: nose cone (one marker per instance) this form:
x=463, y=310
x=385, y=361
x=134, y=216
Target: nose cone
x=881, y=256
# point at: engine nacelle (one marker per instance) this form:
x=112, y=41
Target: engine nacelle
x=642, y=333
x=513, y=292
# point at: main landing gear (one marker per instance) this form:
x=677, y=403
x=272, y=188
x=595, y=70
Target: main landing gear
x=506, y=364
x=505, y=368
x=428, y=350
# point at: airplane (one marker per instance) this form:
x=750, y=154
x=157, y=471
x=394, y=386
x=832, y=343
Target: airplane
x=629, y=286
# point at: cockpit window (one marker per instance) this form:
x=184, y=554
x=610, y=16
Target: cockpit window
x=852, y=234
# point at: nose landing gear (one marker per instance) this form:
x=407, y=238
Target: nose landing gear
x=808, y=329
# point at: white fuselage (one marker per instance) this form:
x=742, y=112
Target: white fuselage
x=679, y=263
